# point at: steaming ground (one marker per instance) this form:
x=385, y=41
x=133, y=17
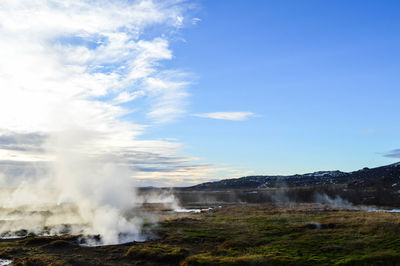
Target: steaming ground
x=44, y=216
x=238, y=233
x=33, y=211
x=72, y=93
x=208, y=227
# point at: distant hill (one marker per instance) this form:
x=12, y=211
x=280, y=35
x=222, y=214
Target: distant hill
x=385, y=176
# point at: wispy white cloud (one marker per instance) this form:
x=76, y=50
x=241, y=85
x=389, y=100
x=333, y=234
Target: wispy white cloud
x=195, y=21
x=125, y=96
x=70, y=65
x=70, y=51
x=236, y=116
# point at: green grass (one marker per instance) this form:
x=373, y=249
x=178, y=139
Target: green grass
x=238, y=235
x=157, y=252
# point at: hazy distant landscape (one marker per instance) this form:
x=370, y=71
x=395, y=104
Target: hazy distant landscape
x=342, y=221
x=375, y=186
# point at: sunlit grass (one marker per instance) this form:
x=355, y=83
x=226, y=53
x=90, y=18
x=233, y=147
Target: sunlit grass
x=239, y=235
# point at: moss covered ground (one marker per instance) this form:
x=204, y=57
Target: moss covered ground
x=242, y=234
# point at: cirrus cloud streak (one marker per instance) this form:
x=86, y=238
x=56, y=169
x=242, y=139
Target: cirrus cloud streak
x=235, y=116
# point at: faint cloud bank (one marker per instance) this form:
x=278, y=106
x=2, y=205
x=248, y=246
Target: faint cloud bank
x=393, y=154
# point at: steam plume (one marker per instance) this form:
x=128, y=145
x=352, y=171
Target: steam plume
x=71, y=72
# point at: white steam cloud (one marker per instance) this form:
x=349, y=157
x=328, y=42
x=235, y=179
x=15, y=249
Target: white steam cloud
x=70, y=73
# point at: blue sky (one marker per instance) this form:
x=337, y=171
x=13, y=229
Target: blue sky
x=321, y=77
x=175, y=93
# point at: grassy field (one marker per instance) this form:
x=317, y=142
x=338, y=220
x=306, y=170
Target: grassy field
x=241, y=234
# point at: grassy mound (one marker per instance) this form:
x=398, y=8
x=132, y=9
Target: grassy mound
x=157, y=252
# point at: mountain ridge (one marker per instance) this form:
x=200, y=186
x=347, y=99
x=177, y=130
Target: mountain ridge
x=384, y=176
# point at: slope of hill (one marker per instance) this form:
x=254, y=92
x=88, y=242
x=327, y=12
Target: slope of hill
x=385, y=176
